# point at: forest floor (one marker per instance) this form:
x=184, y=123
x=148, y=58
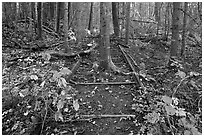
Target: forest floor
x=31, y=101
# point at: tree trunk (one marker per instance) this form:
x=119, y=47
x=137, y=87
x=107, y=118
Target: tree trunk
x=157, y=15
x=115, y=18
x=51, y=10
x=127, y=23
x=90, y=16
x=200, y=10
x=30, y=20
x=184, y=28
x=66, y=26
x=57, y=24
x=39, y=9
x=69, y=14
x=175, y=28
x=104, y=49
x=166, y=22
x=104, y=38
x=33, y=10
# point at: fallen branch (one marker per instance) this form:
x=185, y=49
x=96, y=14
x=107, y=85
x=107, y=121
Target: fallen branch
x=82, y=53
x=107, y=83
x=89, y=118
x=106, y=116
x=143, y=21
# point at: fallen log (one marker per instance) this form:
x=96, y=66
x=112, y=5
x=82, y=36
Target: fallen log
x=82, y=53
x=106, y=116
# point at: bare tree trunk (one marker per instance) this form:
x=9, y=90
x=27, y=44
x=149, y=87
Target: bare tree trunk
x=51, y=10
x=127, y=23
x=184, y=28
x=33, y=10
x=115, y=18
x=90, y=16
x=65, y=26
x=57, y=24
x=30, y=20
x=200, y=10
x=17, y=14
x=69, y=14
x=157, y=15
x=166, y=22
x=175, y=28
x=39, y=8
x=105, y=55
x=104, y=38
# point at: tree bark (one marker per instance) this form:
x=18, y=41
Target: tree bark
x=184, y=28
x=106, y=62
x=157, y=15
x=69, y=14
x=39, y=9
x=104, y=38
x=66, y=26
x=175, y=28
x=90, y=16
x=57, y=24
x=115, y=18
x=127, y=23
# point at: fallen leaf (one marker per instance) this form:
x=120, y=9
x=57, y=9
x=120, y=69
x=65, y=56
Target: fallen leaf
x=76, y=104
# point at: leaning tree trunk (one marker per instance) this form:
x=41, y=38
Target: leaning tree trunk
x=104, y=50
x=127, y=23
x=184, y=28
x=175, y=28
x=115, y=18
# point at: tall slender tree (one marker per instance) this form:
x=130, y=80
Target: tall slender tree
x=65, y=25
x=90, y=16
x=184, y=28
x=127, y=26
x=175, y=28
x=69, y=14
x=57, y=24
x=157, y=15
x=115, y=18
x=39, y=25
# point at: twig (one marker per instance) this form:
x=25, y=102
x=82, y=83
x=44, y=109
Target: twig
x=44, y=116
x=175, y=90
x=9, y=83
x=167, y=116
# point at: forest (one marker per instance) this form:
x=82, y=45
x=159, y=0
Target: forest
x=101, y=68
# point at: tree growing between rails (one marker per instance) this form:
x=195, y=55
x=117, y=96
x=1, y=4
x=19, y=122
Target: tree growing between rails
x=106, y=62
